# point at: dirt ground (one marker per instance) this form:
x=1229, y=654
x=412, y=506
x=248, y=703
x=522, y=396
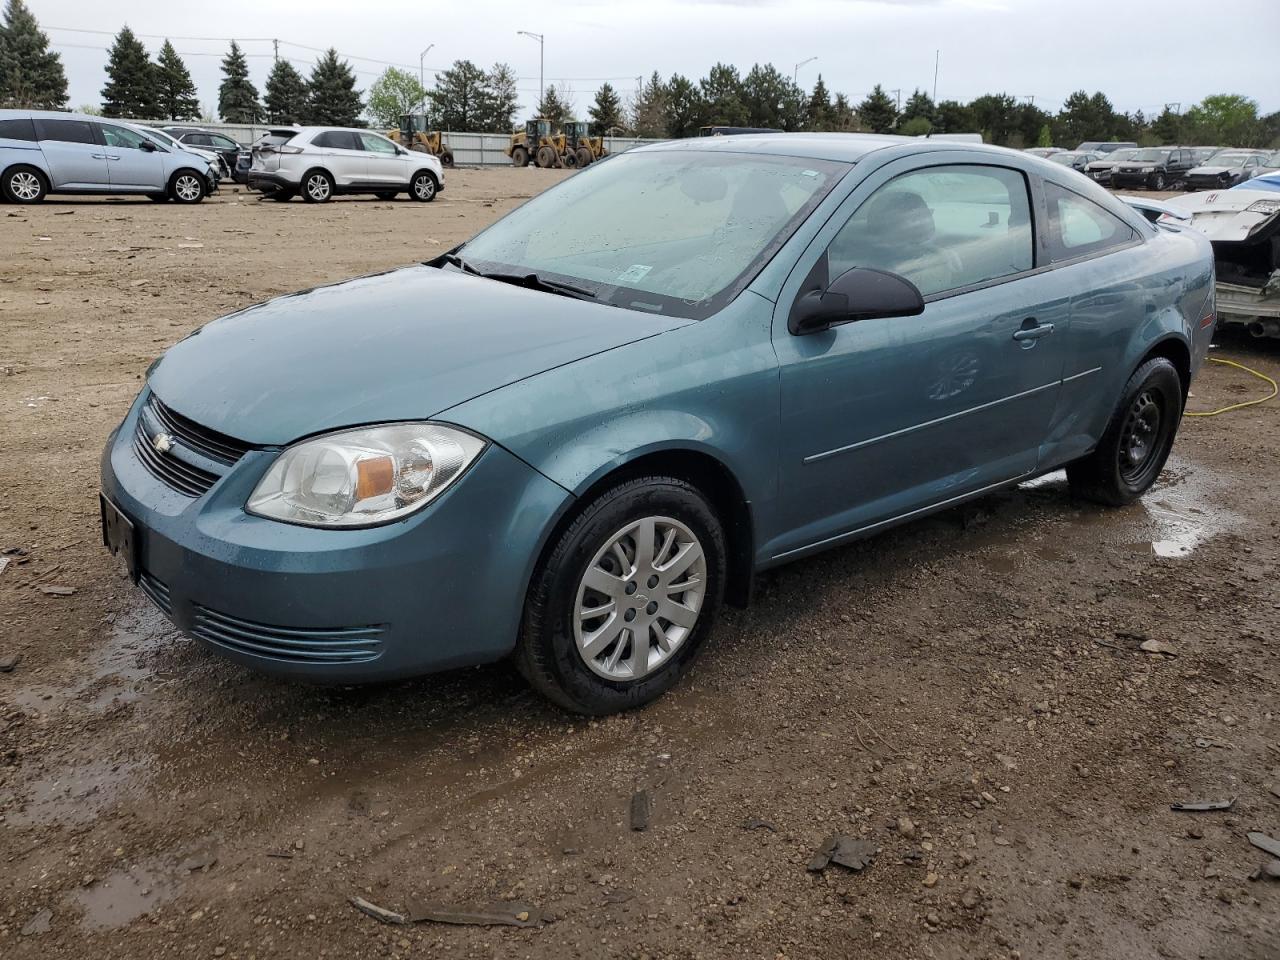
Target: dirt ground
x=967, y=692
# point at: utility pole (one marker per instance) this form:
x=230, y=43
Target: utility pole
x=937, y=57
x=275, y=44
x=422, y=77
x=1177, y=107
x=795, y=76
x=541, y=62
x=898, y=93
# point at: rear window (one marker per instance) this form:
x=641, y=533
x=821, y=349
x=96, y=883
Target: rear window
x=337, y=140
x=275, y=138
x=65, y=131
x=22, y=129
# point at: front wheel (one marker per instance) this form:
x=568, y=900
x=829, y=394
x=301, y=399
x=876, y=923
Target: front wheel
x=446, y=159
x=619, y=608
x=186, y=187
x=519, y=157
x=1158, y=182
x=1137, y=441
x=423, y=187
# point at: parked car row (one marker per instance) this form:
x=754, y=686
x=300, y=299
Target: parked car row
x=47, y=152
x=1163, y=168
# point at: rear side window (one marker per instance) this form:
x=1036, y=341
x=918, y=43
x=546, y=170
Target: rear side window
x=337, y=140
x=943, y=228
x=1079, y=227
x=196, y=139
x=22, y=129
x=65, y=131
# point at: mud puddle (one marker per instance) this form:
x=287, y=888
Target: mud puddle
x=74, y=794
x=123, y=896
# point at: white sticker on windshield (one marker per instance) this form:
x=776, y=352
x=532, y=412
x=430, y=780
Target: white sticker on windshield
x=634, y=273
x=809, y=173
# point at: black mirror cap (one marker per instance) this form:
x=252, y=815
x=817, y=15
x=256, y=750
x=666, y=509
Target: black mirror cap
x=862, y=293
x=148, y=146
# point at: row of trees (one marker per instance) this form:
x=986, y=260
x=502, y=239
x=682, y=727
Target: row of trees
x=137, y=87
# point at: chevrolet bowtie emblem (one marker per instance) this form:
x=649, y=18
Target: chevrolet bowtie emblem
x=162, y=443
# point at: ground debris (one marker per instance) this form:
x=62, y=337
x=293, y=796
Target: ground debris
x=848, y=852
x=641, y=810
x=8, y=661
x=1155, y=646
x=1270, y=870
x=1265, y=843
x=1202, y=806
x=497, y=914
x=377, y=912
x=39, y=923
x=199, y=861
x=57, y=591
x=751, y=823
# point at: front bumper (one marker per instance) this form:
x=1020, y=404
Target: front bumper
x=443, y=588
x=1132, y=179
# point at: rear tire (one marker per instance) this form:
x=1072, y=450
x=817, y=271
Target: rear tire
x=281, y=196
x=386, y=195
x=23, y=184
x=317, y=187
x=1137, y=441
x=446, y=159
x=596, y=664
x=187, y=186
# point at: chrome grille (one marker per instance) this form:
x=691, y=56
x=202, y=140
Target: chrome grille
x=165, y=467
x=209, y=443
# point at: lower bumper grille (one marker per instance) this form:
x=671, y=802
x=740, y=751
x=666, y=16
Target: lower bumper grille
x=296, y=645
x=157, y=591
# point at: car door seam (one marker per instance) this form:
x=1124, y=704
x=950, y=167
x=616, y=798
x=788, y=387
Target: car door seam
x=815, y=457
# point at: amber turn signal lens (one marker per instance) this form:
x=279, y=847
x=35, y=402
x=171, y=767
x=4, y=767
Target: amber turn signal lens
x=374, y=477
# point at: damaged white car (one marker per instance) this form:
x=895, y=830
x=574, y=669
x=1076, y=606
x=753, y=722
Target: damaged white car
x=1243, y=224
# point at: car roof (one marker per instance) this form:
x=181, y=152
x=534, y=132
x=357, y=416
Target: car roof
x=847, y=147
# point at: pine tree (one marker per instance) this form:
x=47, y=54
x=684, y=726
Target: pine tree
x=819, y=113
x=648, y=112
x=176, y=93
x=333, y=99
x=31, y=77
x=461, y=101
x=237, y=96
x=131, y=79
x=877, y=112
x=502, y=99
x=286, y=94
x=919, y=106
x=842, y=115
x=552, y=107
x=606, y=112
x=722, y=95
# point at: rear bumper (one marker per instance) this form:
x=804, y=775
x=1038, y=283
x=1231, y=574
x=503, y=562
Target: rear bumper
x=265, y=182
x=441, y=589
x=1238, y=304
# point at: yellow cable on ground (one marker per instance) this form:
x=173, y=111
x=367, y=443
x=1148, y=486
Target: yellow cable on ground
x=1246, y=403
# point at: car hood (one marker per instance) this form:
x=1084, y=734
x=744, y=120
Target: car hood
x=1226, y=215
x=1212, y=171
x=401, y=345
x=1136, y=164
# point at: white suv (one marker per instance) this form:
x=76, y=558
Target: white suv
x=319, y=162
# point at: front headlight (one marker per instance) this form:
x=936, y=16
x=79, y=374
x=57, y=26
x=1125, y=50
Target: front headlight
x=1263, y=206
x=1148, y=169
x=359, y=478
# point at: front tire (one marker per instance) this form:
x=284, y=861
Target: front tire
x=24, y=185
x=1137, y=441
x=520, y=157
x=186, y=187
x=424, y=186
x=546, y=157
x=317, y=187
x=446, y=159
x=1158, y=182
x=621, y=605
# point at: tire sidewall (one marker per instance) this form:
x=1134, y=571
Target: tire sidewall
x=413, y=186
x=1156, y=374
x=549, y=614
x=306, y=194
x=13, y=197
x=173, y=187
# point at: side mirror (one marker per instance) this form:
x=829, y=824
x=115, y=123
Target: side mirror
x=862, y=293
x=148, y=146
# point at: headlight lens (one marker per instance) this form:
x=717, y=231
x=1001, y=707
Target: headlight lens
x=358, y=478
x=1263, y=206
x=1148, y=169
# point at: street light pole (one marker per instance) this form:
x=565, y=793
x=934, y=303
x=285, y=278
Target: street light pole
x=795, y=76
x=422, y=77
x=541, y=61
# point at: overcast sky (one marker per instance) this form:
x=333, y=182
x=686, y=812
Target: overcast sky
x=1030, y=48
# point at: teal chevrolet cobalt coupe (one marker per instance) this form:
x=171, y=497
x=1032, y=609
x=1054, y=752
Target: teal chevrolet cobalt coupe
x=599, y=418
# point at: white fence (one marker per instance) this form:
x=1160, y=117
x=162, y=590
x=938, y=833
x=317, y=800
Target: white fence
x=469, y=149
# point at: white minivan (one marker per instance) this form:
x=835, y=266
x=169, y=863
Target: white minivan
x=320, y=162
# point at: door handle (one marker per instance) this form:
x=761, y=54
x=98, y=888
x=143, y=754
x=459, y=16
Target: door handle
x=111, y=156
x=1033, y=332
x=97, y=156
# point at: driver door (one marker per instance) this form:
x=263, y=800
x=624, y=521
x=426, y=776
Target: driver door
x=385, y=164
x=883, y=418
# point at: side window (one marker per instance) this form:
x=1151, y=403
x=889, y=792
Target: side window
x=376, y=144
x=65, y=131
x=22, y=129
x=222, y=143
x=942, y=228
x=1079, y=227
x=336, y=140
x=120, y=137
x=197, y=139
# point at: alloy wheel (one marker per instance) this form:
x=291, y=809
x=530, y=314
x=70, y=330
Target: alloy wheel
x=424, y=188
x=187, y=188
x=639, y=598
x=318, y=187
x=24, y=185
x=1140, y=435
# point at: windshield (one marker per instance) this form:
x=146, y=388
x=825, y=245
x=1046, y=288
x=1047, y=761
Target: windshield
x=1151, y=154
x=1066, y=159
x=1272, y=161
x=160, y=137
x=1127, y=153
x=670, y=231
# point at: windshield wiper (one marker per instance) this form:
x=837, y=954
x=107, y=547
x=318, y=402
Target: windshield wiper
x=535, y=282
x=455, y=261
